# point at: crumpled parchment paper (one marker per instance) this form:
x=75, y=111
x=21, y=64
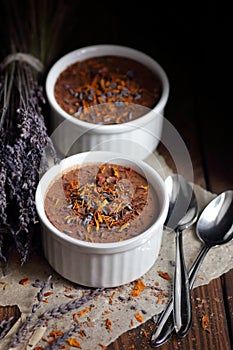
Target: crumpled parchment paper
x=115, y=311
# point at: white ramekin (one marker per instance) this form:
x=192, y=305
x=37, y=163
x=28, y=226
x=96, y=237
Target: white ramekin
x=139, y=137
x=102, y=264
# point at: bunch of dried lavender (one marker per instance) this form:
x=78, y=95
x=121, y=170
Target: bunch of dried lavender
x=23, y=143
x=33, y=37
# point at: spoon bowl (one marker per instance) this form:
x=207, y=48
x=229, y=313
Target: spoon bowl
x=183, y=208
x=214, y=229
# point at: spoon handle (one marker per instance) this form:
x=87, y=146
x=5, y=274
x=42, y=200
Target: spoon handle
x=192, y=276
x=182, y=311
x=165, y=324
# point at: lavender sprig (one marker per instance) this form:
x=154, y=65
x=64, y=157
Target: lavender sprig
x=40, y=294
x=26, y=329
x=65, y=308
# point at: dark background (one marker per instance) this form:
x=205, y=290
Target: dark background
x=192, y=43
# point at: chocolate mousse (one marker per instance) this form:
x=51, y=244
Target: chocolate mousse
x=101, y=203
x=124, y=88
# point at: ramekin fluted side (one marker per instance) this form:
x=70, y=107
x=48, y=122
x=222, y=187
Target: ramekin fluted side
x=100, y=270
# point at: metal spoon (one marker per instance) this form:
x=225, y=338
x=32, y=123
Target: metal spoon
x=182, y=213
x=214, y=228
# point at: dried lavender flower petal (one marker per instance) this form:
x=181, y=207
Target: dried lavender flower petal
x=5, y=325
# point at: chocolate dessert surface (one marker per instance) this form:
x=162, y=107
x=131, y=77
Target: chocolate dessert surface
x=124, y=88
x=101, y=203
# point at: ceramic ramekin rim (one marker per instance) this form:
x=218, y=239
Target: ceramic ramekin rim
x=100, y=248
x=100, y=50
